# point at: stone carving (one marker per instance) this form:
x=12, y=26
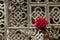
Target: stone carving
x=24, y=34
x=38, y=12
x=55, y=15
x=2, y=19
x=18, y=13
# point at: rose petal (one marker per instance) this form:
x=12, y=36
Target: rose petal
x=41, y=23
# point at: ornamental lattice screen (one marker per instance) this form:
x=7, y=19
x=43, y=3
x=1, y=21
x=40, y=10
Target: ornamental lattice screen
x=17, y=17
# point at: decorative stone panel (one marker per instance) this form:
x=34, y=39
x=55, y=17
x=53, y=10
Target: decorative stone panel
x=18, y=13
x=21, y=16
x=54, y=12
x=24, y=34
x=2, y=20
x=37, y=11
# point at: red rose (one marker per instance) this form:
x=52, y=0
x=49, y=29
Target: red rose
x=41, y=23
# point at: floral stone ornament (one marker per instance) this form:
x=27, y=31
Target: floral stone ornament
x=40, y=25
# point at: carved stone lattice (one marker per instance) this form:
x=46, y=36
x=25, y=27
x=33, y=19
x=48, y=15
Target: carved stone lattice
x=23, y=12
x=37, y=11
x=2, y=20
x=17, y=13
x=55, y=15
x=24, y=34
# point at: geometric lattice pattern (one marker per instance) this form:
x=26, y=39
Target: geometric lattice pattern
x=21, y=16
x=27, y=34
x=36, y=12
x=23, y=13
x=2, y=20
x=54, y=14
x=24, y=34
x=17, y=13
